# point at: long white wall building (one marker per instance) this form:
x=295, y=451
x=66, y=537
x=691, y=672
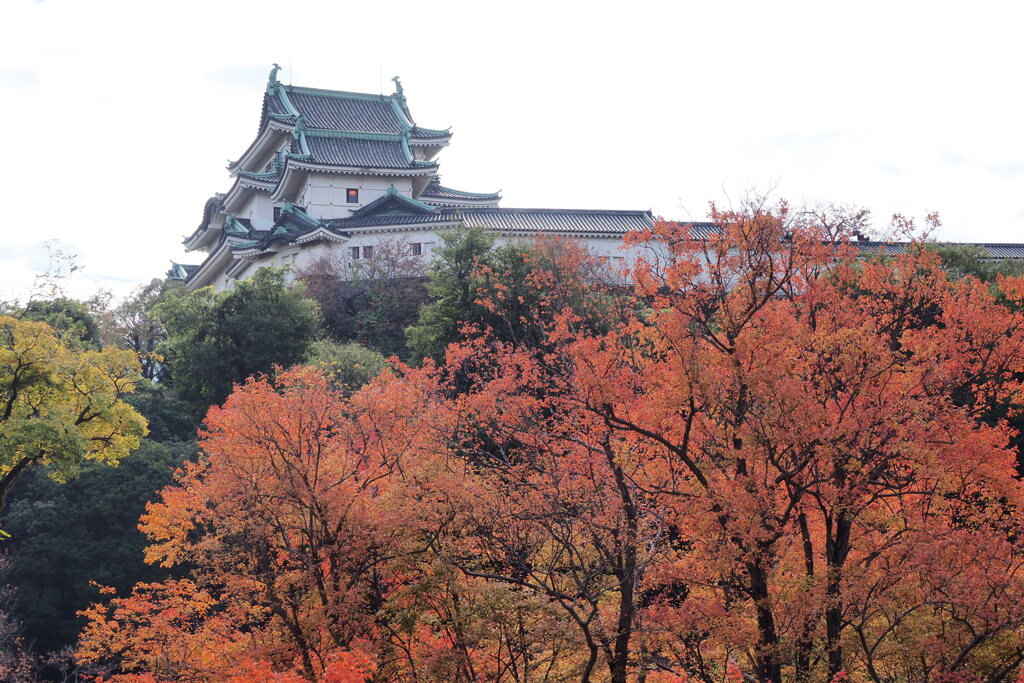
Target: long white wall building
x=335, y=174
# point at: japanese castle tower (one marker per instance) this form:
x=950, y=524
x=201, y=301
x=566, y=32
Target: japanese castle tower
x=335, y=172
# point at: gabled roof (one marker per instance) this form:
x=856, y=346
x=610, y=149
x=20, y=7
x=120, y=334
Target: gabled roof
x=180, y=271
x=338, y=110
x=358, y=113
x=392, y=205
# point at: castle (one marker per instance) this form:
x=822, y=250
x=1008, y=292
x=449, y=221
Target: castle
x=334, y=173
x=337, y=173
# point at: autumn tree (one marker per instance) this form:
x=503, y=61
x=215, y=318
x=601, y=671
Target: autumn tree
x=61, y=406
x=551, y=505
x=810, y=415
x=286, y=519
x=777, y=457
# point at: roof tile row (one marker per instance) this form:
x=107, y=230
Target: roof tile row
x=340, y=113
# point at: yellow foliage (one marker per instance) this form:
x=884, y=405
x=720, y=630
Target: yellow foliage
x=61, y=406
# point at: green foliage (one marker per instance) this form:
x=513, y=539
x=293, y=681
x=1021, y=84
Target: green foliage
x=170, y=418
x=350, y=365
x=513, y=290
x=452, y=288
x=969, y=259
x=72, y=320
x=64, y=536
x=215, y=340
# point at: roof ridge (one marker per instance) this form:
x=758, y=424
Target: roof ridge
x=341, y=94
x=355, y=135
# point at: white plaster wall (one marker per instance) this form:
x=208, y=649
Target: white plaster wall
x=324, y=194
x=259, y=210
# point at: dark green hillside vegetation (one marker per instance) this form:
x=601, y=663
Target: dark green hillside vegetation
x=63, y=536
x=215, y=340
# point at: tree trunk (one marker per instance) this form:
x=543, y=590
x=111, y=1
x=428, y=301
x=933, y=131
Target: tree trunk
x=805, y=641
x=769, y=669
x=836, y=551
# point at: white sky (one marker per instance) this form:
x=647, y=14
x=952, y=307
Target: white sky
x=119, y=117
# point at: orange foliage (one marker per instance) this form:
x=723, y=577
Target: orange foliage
x=776, y=456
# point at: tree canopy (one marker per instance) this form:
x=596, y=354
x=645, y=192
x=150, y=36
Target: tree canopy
x=778, y=459
x=512, y=290
x=216, y=340
x=61, y=405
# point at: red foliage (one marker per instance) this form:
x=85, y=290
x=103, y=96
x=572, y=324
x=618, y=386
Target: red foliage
x=778, y=456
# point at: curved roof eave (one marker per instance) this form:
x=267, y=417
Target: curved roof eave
x=257, y=148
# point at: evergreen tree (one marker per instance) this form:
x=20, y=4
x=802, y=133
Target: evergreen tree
x=216, y=340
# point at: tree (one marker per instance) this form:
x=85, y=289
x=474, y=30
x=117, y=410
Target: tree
x=810, y=412
x=61, y=406
x=133, y=325
x=350, y=365
x=64, y=536
x=452, y=290
x=286, y=522
x=552, y=504
x=71, y=320
x=368, y=301
x=217, y=340
x=512, y=290
x=960, y=260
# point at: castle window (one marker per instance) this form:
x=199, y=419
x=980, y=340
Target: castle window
x=277, y=214
x=367, y=252
x=417, y=248
x=352, y=195
x=354, y=253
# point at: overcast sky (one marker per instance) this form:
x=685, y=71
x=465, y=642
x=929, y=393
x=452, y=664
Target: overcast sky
x=119, y=117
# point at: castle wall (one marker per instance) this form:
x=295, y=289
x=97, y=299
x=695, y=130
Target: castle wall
x=324, y=194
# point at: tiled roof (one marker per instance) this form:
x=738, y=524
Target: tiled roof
x=995, y=250
x=180, y=271
x=554, y=220
x=341, y=151
x=572, y=221
x=428, y=133
x=275, y=106
x=380, y=221
x=435, y=190
x=270, y=173
x=337, y=112
x=1004, y=250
